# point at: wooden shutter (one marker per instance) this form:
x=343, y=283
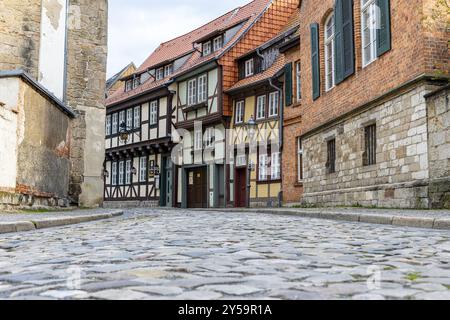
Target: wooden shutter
x=288, y=83
x=384, y=32
x=315, y=60
x=344, y=49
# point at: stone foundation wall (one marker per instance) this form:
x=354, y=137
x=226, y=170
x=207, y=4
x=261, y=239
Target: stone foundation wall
x=439, y=148
x=399, y=179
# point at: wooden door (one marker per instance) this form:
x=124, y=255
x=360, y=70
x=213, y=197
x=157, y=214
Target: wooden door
x=240, y=188
x=197, y=188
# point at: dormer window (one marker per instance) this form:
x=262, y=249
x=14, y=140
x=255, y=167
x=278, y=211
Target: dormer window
x=206, y=48
x=160, y=74
x=218, y=43
x=249, y=68
x=136, y=82
x=128, y=85
x=168, y=70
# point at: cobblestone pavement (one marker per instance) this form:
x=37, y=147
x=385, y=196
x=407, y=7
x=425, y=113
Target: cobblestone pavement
x=24, y=216
x=156, y=254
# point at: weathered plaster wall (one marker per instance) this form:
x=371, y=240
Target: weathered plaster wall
x=439, y=149
x=43, y=152
x=19, y=35
x=86, y=76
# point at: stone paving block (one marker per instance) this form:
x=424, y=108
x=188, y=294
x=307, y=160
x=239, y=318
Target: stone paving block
x=25, y=226
x=442, y=224
x=7, y=227
x=374, y=218
x=413, y=222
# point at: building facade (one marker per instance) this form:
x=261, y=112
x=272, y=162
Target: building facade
x=363, y=118
x=51, y=100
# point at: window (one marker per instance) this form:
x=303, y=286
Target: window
x=207, y=48
x=121, y=172
x=121, y=118
x=153, y=113
x=331, y=156
x=129, y=118
x=143, y=169
x=262, y=169
x=168, y=70
x=218, y=43
x=241, y=160
x=249, y=68
x=261, y=107
x=202, y=89
x=160, y=74
x=299, y=160
x=136, y=82
x=329, y=53
x=114, y=174
x=108, y=125
x=275, y=166
x=128, y=85
x=209, y=137
x=369, y=31
x=128, y=172
x=298, y=83
x=192, y=92
x=114, y=123
x=198, y=140
x=273, y=104
x=137, y=117
x=239, y=112
x=370, y=152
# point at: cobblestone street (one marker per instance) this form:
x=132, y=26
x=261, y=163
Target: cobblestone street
x=176, y=254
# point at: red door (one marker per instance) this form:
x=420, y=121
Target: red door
x=240, y=188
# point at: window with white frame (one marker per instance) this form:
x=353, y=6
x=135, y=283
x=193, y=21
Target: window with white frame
x=137, y=117
x=241, y=160
x=207, y=48
x=160, y=74
x=114, y=174
x=218, y=43
x=298, y=81
x=261, y=107
x=168, y=70
x=369, y=30
x=128, y=85
x=209, y=137
x=108, y=125
x=121, y=118
x=329, y=52
x=299, y=160
x=129, y=118
x=121, y=172
x=192, y=92
x=114, y=123
x=202, y=88
x=136, y=82
x=143, y=169
x=198, y=140
x=275, y=166
x=239, y=112
x=153, y=113
x=128, y=172
x=249, y=68
x=262, y=167
x=274, y=101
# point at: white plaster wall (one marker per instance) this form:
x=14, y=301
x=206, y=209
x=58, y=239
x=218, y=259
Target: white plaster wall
x=9, y=94
x=52, y=46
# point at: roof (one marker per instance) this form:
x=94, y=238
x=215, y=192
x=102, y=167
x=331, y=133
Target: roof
x=111, y=81
x=39, y=88
x=184, y=45
x=270, y=73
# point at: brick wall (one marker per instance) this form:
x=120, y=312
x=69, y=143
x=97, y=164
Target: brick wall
x=415, y=51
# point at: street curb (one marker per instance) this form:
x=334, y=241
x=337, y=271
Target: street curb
x=20, y=226
x=373, y=218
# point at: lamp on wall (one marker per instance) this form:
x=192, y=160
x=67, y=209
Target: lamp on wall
x=251, y=128
x=125, y=132
x=105, y=173
x=134, y=171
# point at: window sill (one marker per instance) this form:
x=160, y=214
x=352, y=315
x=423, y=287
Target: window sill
x=195, y=107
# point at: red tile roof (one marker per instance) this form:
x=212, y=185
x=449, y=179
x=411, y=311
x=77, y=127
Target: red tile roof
x=183, y=45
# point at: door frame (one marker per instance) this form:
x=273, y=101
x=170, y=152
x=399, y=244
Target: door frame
x=184, y=183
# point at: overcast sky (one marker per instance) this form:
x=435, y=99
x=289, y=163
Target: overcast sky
x=137, y=27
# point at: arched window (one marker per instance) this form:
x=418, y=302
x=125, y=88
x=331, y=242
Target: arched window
x=329, y=52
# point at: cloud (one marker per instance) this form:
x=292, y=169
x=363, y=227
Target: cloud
x=137, y=27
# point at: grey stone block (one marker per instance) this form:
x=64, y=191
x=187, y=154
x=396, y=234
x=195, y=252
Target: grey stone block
x=442, y=224
x=24, y=226
x=376, y=218
x=413, y=222
x=340, y=216
x=7, y=227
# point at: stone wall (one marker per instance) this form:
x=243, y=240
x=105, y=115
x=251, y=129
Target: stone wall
x=439, y=148
x=86, y=76
x=400, y=177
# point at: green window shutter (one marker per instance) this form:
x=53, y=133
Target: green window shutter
x=288, y=83
x=315, y=60
x=344, y=40
x=384, y=32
